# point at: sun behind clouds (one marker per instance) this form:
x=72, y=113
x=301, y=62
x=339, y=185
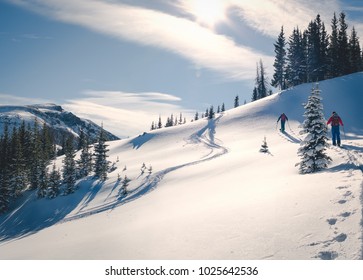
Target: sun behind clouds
x=207, y=12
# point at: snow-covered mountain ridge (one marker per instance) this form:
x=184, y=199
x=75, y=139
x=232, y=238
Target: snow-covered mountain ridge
x=61, y=122
x=211, y=194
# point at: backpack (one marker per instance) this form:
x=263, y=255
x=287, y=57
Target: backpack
x=335, y=120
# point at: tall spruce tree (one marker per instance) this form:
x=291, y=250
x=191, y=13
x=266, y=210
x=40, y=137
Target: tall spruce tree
x=343, y=47
x=261, y=81
x=333, y=50
x=84, y=164
x=279, y=77
x=36, y=157
x=211, y=112
x=69, y=167
x=54, y=183
x=18, y=178
x=5, y=190
x=312, y=148
x=355, y=59
x=100, y=154
x=296, y=65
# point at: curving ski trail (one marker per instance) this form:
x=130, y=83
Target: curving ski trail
x=205, y=136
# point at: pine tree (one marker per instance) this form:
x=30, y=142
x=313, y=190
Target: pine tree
x=5, y=191
x=100, y=154
x=69, y=167
x=296, y=66
x=312, y=148
x=125, y=184
x=354, y=53
x=44, y=181
x=254, y=94
x=264, y=146
x=236, y=102
x=196, y=116
x=324, y=61
x=54, y=183
x=160, y=124
x=261, y=82
x=211, y=112
x=143, y=168
x=36, y=157
x=333, y=50
x=223, y=108
x=280, y=62
x=343, y=48
x=84, y=164
x=316, y=50
x=18, y=177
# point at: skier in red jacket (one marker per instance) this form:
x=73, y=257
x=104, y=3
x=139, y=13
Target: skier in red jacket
x=283, y=119
x=335, y=121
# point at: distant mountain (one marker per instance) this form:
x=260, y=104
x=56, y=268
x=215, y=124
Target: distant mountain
x=62, y=123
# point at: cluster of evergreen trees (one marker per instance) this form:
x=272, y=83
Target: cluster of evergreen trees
x=313, y=55
x=261, y=89
x=171, y=121
x=26, y=153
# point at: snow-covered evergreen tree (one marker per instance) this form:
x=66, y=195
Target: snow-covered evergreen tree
x=264, y=146
x=143, y=168
x=69, y=167
x=5, y=191
x=125, y=183
x=100, y=154
x=44, y=181
x=54, y=183
x=19, y=176
x=84, y=164
x=150, y=170
x=36, y=157
x=279, y=77
x=211, y=112
x=312, y=149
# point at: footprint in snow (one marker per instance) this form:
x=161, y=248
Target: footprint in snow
x=327, y=255
x=347, y=193
x=342, y=187
x=331, y=221
x=342, y=201
x=341, y=237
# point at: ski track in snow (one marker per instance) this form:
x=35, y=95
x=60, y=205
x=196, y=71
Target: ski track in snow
x=205, y=136
x=352, y=153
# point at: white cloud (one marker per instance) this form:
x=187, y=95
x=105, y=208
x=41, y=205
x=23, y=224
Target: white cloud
x=182, y=36
x=126, y=114
x=267, y=16
x=6, y=99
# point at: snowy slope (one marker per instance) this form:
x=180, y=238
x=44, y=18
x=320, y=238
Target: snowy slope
x=212, y=194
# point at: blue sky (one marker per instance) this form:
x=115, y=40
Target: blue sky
x=136, y=59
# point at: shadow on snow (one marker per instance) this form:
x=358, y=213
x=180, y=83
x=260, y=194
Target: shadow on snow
x=29, y=216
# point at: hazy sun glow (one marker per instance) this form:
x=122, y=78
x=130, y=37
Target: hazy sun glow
x=208, y=12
